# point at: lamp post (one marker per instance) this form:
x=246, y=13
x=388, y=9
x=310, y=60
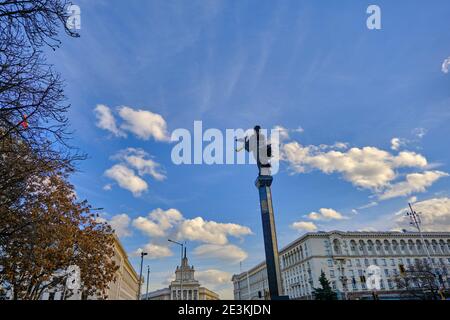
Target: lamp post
x=181, y=266
x=148, y=280
x=140, y=274
x=416, y=221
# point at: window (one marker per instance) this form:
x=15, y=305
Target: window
x=390, y=285
x=349, y=263
x=330, y=263
x=366, y=262
x=383, y=262
x=386, y=272
x=331, y=273
x=375, y=262
x=392, y=262
x=358, y=263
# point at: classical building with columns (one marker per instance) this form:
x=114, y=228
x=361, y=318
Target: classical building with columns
x=345, y=257
x=184, y=287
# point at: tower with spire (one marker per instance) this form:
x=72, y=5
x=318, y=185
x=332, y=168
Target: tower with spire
x=185, y=286
x=185, y=271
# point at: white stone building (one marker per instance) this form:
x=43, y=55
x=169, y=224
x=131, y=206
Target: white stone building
x=124, y=287
x=344, y=257
x=188, y=289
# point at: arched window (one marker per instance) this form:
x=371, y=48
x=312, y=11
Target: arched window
x=337, y=246
x=387, y=247
x=370, y=247
x=395, y=247
x=428, y=246
x=403, y=247
x=419, y=247
x=353, y=247
x=443, y=246
x=435, y=247
x=378, y=248
x=411, y=246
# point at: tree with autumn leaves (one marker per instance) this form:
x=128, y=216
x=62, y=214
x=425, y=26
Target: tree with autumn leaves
x=46, y=230
x=44, y=227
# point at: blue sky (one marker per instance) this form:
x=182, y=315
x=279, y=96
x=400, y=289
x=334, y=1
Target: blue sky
x=233, y=64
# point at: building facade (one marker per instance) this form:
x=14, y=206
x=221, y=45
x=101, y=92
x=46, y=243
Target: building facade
x=344, y=257
x=125, y=286
x=184, y=287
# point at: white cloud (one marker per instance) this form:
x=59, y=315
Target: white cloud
x=446, y=65
x=106, y=120
x=412, y=199
x=140, y=160
x=228, y=253
x=434, y=213
x=326, y=214
x=158, y=222
x=125, y=175
x=283, y=132
x=154, y=251
x=213, y=277
x=369, y=205
x=396, y=143
x=210, y=231
x=299, y=130
x=420, y=132
x=121, y=223
x=127, y=179
x=368, y=229
x=415, y=182
x=367, y=167
x=107, y=187
x=144, y=124
x=304, y=226
x=217, y=280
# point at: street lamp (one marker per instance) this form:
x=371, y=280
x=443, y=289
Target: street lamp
x=148, y=280
x=140, y=274
x=181, y=266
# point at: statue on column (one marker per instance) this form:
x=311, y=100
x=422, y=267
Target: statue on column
x=257, y=145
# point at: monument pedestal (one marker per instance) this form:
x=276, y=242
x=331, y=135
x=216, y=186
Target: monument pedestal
x=263, y=183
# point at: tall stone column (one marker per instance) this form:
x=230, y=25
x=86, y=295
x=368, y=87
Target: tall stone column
x=263, y=183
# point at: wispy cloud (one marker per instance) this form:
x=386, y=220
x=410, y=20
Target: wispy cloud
x=446, y=65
